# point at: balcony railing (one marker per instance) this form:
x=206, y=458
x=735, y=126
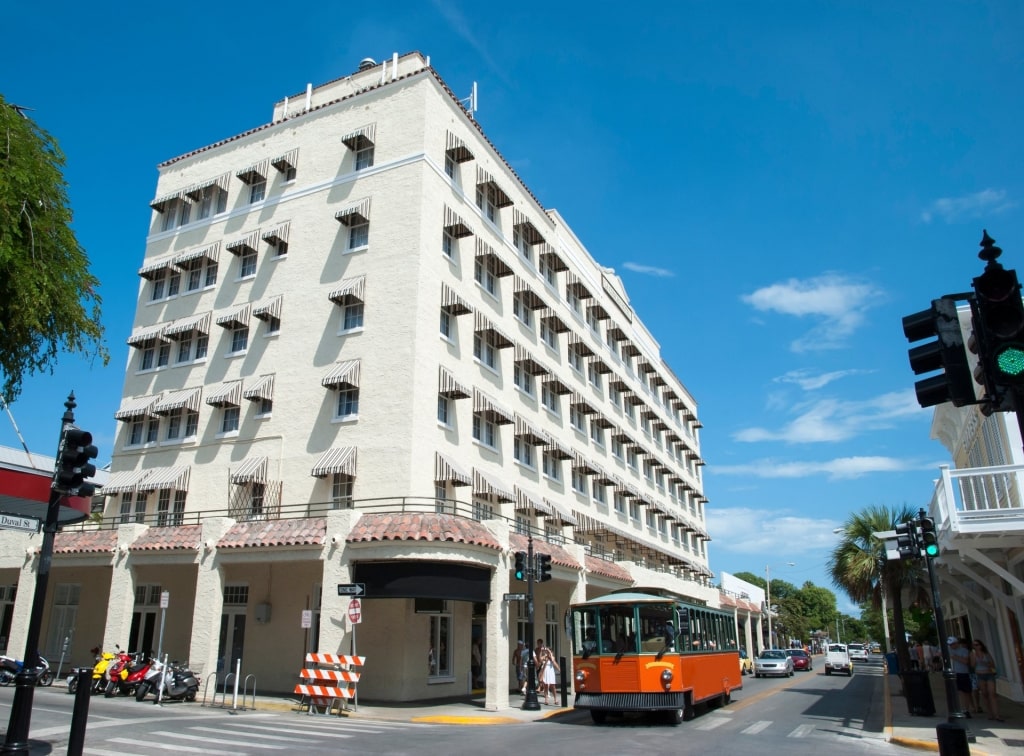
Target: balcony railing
x=979, y=499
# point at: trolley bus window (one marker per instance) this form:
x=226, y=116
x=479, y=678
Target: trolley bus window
x=618, y=630
x=584, y=631
x=656, y=629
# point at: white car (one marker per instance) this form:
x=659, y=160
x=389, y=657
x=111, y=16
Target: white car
x=857, y=651
x=773, y=661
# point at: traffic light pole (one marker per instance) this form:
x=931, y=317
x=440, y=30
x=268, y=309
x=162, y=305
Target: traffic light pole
x=530, y=702
x=25, y=681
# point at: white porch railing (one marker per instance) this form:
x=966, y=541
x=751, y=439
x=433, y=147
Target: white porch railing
x=979, y=499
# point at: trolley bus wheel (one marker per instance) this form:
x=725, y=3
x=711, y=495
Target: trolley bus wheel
x=676, y=717
x=600, y=716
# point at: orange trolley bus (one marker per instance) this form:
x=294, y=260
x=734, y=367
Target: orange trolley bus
x=648, y=650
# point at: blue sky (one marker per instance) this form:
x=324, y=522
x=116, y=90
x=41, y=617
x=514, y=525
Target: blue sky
x=777, y=184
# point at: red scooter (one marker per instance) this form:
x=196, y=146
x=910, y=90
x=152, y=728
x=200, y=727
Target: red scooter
x=125, y=674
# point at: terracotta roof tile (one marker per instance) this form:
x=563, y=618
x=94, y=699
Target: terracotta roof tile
x=607, y=569
x=309, y=531
x=85, y=542
x=161, y=539
x=560, y=556
x=421, y=526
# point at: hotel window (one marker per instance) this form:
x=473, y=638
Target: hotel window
x=632, y=457
x=163, y=354
x=599, y=494
x=577, y=419
x=594, y=376
x=361, y=143
x=364, y=158
x=649, y=469
x=451, y=169
x=444, y=411
x=620, y=502
x=574, y=302
x=523, y=380
x=136, y=430
x=520, y=309
x=487, y=200
x=615, y=396
x=352, y=317
x=359, y=237
x=239, y=338
x=579, y=482
x=645, y=423
x=257, y=191
x=652, y=519
x=176, y=213
x=485, y=274
x=548, y=271
x=548, y=334
x=520, y=243
x=341, y=491
x=552, y=466
x=247, y=264
x=194, y=275
x=182, y=424
x=617, y=447
x=593, y=321
x=446, y=324
x=125, y=513
x=523, y=452
x=439, y=653
x=484, y=349
x=185, y=346
x=347, y=406
x=147, y=355
x=212, y=200
x=634, y=510
x=448, y=245
x=165, y=513
x=229, y=419
x=629, y=410
x=575, y=358
x=549, y=399
x=485, y=431
x=152, y=430
x=596, y=433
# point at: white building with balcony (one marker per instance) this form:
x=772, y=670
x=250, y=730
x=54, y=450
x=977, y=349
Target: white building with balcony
x=365, y=353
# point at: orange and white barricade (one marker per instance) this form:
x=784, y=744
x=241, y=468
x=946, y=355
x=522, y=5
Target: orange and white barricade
x=328, y=679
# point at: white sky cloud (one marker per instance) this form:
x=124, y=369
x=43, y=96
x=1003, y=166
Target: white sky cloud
x=810, y=381
x=648, y=270
x=745, y=530
x=835, y=469
x=952, y=209
x=837, y=303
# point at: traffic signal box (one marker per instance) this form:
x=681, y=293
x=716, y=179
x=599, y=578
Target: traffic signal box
x=906, y=540
x=73, y=465
x=543, y=567
x=520, y=571
x=928, y=538
x=1000, y=326
x=947, y=353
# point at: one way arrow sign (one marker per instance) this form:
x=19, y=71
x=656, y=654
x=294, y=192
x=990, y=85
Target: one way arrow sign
x=351, y=589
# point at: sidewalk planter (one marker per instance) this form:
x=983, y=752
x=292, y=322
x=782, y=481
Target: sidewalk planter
x=918, y=690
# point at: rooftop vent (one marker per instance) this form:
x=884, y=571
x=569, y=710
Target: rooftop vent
x=366, y=64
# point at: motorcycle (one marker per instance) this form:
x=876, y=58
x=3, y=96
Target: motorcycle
x=177, y=682
x=124, y=673
x=9, y=669
x=99, y=680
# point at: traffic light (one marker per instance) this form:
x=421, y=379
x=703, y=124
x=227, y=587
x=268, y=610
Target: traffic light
x=906, y=541
x=520, y=565
x=955, y=384
x=543, y=567
x=73, y=465
x=999, y=321
x=929, y=540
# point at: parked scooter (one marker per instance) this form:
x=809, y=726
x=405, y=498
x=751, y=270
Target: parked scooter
x=99, y=679
x=9, y=669
x=125, y=672
x=178, y=683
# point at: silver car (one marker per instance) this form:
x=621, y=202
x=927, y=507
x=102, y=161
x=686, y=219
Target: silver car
x=773, y=661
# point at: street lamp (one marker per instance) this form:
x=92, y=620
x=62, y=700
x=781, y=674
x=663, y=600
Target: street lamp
x=768, y=599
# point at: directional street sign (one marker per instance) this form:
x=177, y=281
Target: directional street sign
x=515, y=597
x=17, y=522
x=351, y=589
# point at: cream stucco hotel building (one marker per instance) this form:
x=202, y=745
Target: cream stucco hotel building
x=364, y=352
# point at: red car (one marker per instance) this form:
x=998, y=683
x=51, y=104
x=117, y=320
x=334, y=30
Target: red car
x=800, y=659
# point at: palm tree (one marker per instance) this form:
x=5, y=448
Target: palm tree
x=858, y=566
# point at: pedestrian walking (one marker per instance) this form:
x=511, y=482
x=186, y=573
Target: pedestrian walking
x=985, y=671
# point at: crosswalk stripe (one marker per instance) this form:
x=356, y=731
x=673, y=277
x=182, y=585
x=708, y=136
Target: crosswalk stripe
x=710, y=724
x=105, y=752
x=178, y=747
x=203, y=738
x=263, y=736
x=802, y=731
x=757, y=727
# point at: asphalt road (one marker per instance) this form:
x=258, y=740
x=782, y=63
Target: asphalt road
x=805, y=714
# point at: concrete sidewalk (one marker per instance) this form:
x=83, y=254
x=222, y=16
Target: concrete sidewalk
x=990, y=737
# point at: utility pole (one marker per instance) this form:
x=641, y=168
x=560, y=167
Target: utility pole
x=530, y=702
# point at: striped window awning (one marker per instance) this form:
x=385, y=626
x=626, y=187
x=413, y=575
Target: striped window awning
x=521, y=223
x=126, y=481
x=619, y=384
x=488, y=408
x=557, y=449
x=160, y=203
x=631, y=397
x=483, y=325
x=255, y=173
x=239, y=316
x=139, y=406
x=454, y=225
x=186, y=399
x=645, y=366
x=580, y=404
x=598, y=312
x=452, y=303
x=582, y=464
x=528, y=433
x=528, y=363
x=493, y=261
x=529, y=297
x=629, y=349
x=484, y=485
x=602, y=477
x=672, y=438
x=658, y=380
x=560, y=512
x=648, y=412
x=263, y=388
x=340, y=460
x=553, y=320
x=624, y=438
x=288, y=160
x=227, y=394
x=195, y=192
x=355, y=213
x=526, y=502
x=146, y=334
x=361, y=138
x=245, y=245
x=580, y=345
x=210, y=252
x=450, y=388
x=349, y=291
x=616, y=334
x=551, y=258
x=183, y=328
x=155, y=268
x=659, y=424
x=498, y=195
x=269, y=309
x=600, y=365
x=456, y=149
x=278, y=233
x=447, y=471
x=602, y=422
x=252, y=470
x=161, y=478
x=557, y=385
x=343, y=375
x=575, y=285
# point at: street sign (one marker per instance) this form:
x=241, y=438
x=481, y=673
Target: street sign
x=307, y=619
x=515, y=597
x=165, y=599
x=351, y=589
x=355, y=611
x=17, y=522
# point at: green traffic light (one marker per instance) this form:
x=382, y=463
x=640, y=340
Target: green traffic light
x=1010, y=361
x=931, y=550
